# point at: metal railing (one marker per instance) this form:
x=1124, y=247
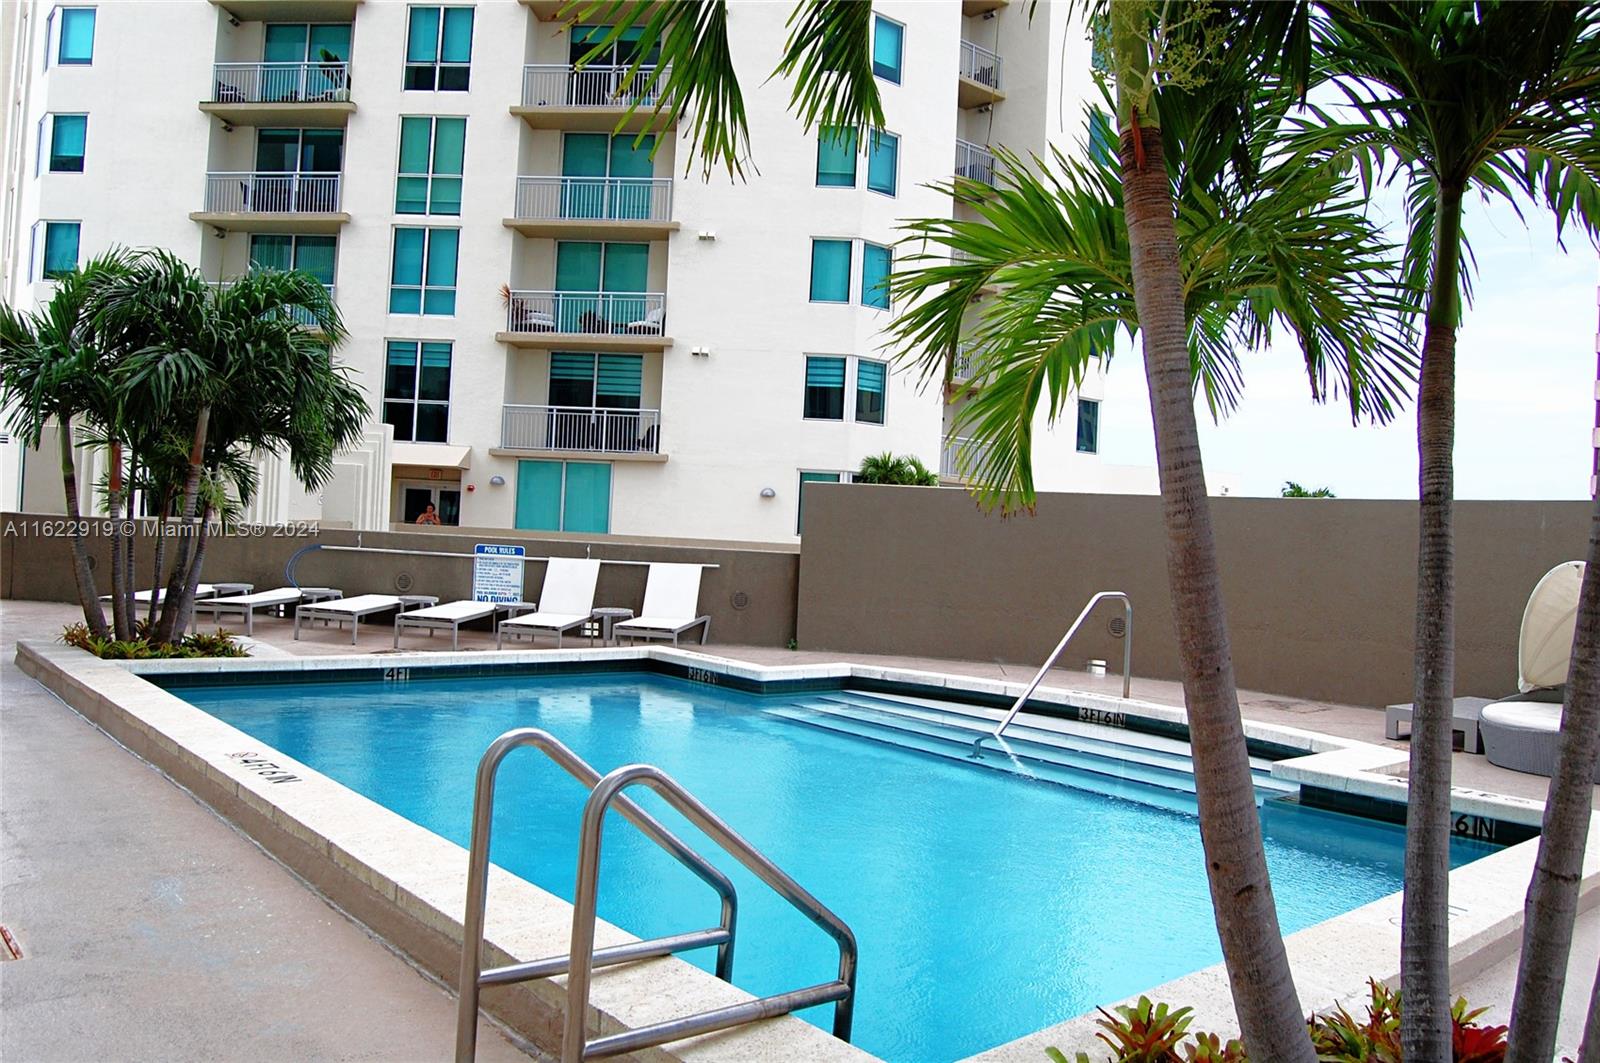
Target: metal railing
x=964, y=362
x=610, y=198
x=974, y=162
x=580, y=428
x=272, y=193
x=565, y=85
x=961, y=456
x=280, y=82
x=588, y=313
x=980, y=64
x=1038, y=677
x=582, y=957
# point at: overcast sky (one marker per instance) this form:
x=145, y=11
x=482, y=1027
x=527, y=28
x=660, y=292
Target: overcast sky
x=1525, y=390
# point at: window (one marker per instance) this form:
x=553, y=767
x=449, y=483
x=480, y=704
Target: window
x=607, y=381
x=807, y=478
x=836, y=157
x=76, y=46
x=876, y=262
x=888, y=45
x=439, y=49
x=871, y=383
x=830, y=271
x=308, y=61
x=572, y=496
x=431, y=151
x=416, y=391
x=1088, y=426
x=59, y=247
x=607, y=176
x=423, y=277
x=312, y=254
x=883, y=164
x=824, y=388
x=67, y=137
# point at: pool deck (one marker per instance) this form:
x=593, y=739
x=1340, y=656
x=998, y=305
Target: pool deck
x=174, y=942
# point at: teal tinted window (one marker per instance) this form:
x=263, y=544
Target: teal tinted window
x=871, y=383
x=439, y=49
x=883, y=163
x=60, y=248
x=587, y=506
x=836, y=157
x=416, y=391
x=432, y=152
x=824, y=388
x=422, y=277
x=285, y=43
x=77, y=36
x=807, y=478
x=269, y=251
x=830, y=271
x=422, y=36
x=876, y=262
x=68, y=133
x=439, y=281
x=888, y=48
x=1088, y=426
x=539, y=495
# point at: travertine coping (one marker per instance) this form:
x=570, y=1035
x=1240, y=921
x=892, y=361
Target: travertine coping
x=409, y=884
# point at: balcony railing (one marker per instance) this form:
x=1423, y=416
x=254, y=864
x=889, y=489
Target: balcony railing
x=281, y=82
x=974, y=162
x=588, y=313
x=564, y=85
x=980, y=64
x=580, y=428
x=272, y=193
x=961, y=458
x=608, y=198
x=964, y=364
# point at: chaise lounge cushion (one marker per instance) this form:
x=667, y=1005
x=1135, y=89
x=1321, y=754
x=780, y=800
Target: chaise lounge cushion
x=1522, y=733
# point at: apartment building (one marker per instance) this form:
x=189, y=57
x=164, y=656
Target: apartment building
x=559, y=326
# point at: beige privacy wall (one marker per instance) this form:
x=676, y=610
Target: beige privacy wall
x=750, y=595
x=1320, y=592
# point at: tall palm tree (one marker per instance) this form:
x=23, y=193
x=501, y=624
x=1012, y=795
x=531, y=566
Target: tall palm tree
x=1497, y=98
x=53, y=367
x=247, y=364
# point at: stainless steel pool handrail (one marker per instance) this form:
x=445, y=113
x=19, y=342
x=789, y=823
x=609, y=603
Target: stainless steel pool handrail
x=574, y=1045
x=473, y=977
x=1038, y=677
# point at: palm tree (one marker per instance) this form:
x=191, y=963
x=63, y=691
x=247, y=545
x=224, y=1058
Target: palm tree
x=888, y=468
x=1294, y=490
x=53, y=367
x=1497, y=98
x=241, y=365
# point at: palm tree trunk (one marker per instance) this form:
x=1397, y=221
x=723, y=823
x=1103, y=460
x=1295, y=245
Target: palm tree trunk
x=185, y=602
x=160, y=558
x=170, y=605
x=1264, y=998
x=119, y=559
x=1589, y=1050
x=132, y=564
x=1552, y=903
x=82, y=574
x=1425, y=929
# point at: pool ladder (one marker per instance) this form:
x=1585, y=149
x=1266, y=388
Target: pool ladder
x=578, y=965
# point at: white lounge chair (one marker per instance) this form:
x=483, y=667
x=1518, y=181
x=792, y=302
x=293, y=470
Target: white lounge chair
x=566, y=601
x=204, y=590
x=245, y=605
x=671, y=605
x=341, y=609
x=447, y=617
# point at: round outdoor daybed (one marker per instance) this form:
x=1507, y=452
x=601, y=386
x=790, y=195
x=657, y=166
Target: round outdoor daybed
x=1521, y=733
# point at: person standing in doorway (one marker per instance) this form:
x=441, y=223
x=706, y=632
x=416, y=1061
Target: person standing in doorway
x=428, y=516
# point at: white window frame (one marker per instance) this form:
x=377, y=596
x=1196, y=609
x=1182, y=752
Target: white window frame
x=1079, y=420
x=898, y=142
x=844, y=398
x=48, y=119
x=853, y=378
x=433, y=132
x=423, y=287
x=416, y=381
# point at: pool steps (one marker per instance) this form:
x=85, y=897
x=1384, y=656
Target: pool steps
x=1147, y=769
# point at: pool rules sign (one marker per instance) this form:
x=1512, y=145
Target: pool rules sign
x=497, y=572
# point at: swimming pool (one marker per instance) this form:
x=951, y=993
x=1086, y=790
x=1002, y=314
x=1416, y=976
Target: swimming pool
x=990, y=898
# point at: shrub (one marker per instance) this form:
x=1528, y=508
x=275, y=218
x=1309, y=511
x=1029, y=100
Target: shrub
x=1153, y=1033
x=219, y=644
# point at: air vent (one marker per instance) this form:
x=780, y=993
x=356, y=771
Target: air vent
x=1117, y=626
x=402, y=582
x=739, y=600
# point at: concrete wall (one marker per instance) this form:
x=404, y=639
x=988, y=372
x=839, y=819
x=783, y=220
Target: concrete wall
x=35, y=564
x=1320, y=593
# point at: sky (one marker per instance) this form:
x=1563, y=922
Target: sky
x=1525, y=407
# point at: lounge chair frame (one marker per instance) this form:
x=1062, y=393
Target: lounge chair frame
x=419, y=619
x=339, y=610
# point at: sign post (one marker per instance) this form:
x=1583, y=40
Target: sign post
x=497, y=572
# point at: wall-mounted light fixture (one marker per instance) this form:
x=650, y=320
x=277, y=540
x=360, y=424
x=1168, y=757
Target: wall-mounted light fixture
x=497, y=480
x=767, y=492
x=707, y=234
x=700, y=352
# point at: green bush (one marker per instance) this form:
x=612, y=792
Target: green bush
x=1153, y=1033
x=219, y=644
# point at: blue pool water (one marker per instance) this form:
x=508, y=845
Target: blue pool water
x=986, y=905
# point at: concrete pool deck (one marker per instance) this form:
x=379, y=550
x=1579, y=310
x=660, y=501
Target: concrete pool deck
x=103, y=1014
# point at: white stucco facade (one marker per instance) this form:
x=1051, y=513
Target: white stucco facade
x=714, y=440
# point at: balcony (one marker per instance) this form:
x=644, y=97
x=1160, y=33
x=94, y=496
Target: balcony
x=594, y=208
x=586, y=321
x=981, y=7
x=290, y=10
x=961, y=458
x=979, y=77
x=964, y=362
x=582, y=429
x=273, y=202
x=561, y=96
x=301, y=95
x=974, y=162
